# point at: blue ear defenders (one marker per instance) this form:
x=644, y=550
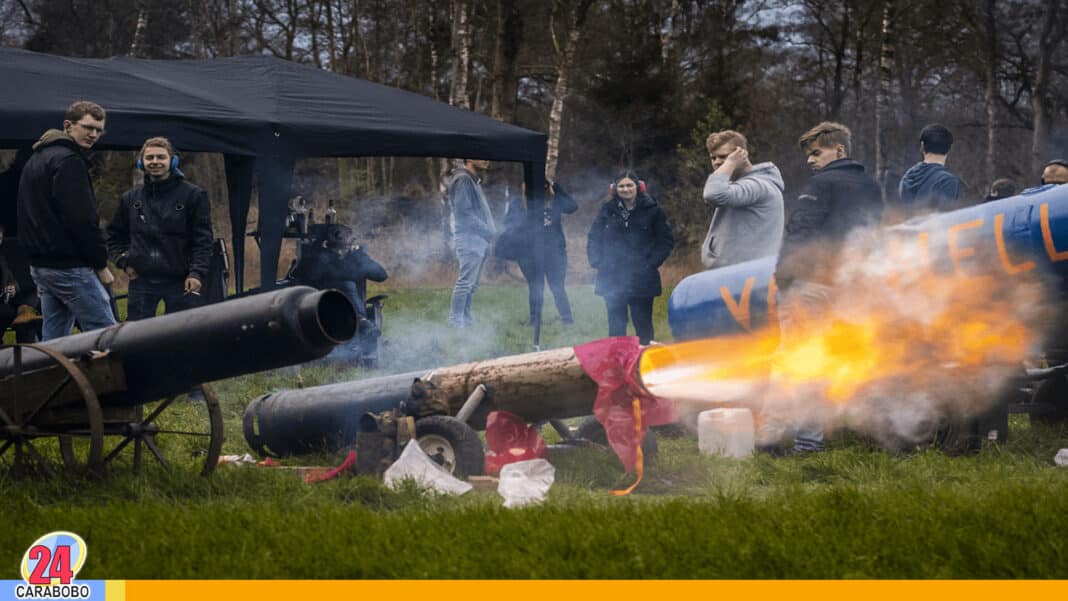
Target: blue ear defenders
x=174, y=163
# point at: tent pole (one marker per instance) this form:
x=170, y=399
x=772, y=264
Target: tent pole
x=239, y=171
x=534, y=177
x=275, y=180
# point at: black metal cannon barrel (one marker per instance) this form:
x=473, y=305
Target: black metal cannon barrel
x=536, y=386
x=292, y=422
x=167, y=355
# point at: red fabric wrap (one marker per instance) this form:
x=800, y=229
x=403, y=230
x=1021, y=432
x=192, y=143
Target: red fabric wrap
x=613, y=364
x=509, y=438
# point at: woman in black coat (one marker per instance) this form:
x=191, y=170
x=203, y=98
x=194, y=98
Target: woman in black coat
x=627, y=243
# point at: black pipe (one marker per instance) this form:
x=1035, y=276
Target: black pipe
x=167, y=355
x=291, y=422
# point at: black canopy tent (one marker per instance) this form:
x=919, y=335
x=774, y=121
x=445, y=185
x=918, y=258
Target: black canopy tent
x=262, y=113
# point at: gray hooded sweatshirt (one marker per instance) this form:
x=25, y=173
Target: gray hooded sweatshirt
x=747, y=216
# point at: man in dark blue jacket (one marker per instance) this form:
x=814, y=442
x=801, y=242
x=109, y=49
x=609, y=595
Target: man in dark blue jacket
x=839, y=198
x=928, y=186
x=59, y=227
x=161, y=235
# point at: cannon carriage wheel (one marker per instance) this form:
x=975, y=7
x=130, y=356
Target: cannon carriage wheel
x=20, y=415
x=154, y=431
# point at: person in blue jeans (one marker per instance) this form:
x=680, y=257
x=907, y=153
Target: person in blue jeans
x=59, y=227
x=473, y=230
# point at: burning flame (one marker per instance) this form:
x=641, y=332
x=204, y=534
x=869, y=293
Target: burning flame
x=891, y=336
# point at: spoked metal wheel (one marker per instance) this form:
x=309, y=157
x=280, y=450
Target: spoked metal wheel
x=44, y=404
x=186, y=431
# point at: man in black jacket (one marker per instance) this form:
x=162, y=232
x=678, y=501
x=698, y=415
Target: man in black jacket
x=161, y=235
x=59, y=228
x=839, y=198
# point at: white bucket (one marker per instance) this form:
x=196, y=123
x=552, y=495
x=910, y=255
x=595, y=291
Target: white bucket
x=727, y=432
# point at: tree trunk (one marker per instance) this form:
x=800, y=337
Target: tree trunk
x=668, y=33
x=461, y=45
x=990, y=20
x=498, y=63
x=330, y=48
x=882, y=101
x=1050, y=38
x=137, y=48
x=576, y=21
x=313, y=25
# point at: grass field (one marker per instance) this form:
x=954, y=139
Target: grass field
x=851, y=512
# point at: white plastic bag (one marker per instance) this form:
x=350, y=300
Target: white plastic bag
x=526, y=482
x=416, y=465
x=1061, y=458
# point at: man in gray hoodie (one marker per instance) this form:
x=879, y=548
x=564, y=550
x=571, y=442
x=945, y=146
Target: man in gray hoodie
x=473, y=231
x=746, y=202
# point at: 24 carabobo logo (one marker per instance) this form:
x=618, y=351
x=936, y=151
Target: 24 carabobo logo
x=50, y=564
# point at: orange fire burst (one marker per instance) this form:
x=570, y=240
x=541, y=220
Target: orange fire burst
x=888, y=333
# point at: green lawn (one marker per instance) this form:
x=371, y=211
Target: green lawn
x=849, y=512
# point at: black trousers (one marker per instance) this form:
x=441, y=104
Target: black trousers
x=641, y=313
x=145, y=294
x=555, y=272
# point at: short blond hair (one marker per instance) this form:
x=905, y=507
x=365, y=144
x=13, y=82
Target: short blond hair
x=826, y=135
x=727, y=136
x=158, y=142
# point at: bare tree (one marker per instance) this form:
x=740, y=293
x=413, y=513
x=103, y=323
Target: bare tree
x=887, y=48
x=461, y=47
x=991, y=95
x=575, y=19
x=1053, y=29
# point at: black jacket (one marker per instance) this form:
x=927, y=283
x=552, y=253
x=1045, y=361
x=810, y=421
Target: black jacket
x=163, y=229
x=517, y=240
x=627, y=253
x=59, y=226
x=836, y=200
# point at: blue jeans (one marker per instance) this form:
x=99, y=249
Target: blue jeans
x=145, y=295
x=69, y=294
x=472, y=255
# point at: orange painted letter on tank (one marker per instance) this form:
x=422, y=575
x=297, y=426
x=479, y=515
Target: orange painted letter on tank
x=1003, y=251
x=739, y=310
x=957, y=253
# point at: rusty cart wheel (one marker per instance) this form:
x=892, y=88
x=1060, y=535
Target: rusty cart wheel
x=56, y=402
x=187, y=431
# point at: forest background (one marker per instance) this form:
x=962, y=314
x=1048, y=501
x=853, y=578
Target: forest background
x=616, y=84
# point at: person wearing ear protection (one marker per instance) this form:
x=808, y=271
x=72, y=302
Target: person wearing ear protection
x=839, y=198
x=161, y=235
x=628, y=242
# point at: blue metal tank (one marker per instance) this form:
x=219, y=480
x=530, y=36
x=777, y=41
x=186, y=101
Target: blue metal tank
x=1026, y=233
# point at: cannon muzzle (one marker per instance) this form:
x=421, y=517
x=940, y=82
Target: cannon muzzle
x=167, y=355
